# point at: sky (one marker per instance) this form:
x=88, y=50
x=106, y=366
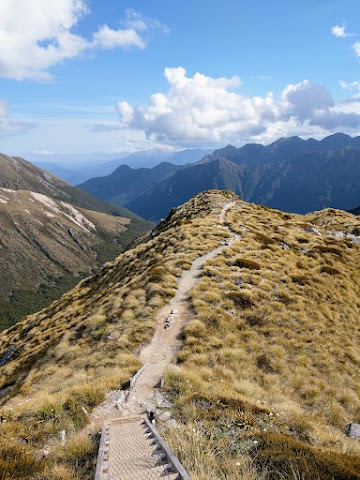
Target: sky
x=93, y=78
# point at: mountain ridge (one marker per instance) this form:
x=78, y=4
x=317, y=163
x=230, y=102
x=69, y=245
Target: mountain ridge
x=283, y=148
x=126, y=183
x=263, y=174
x=278, y=182
x=251, y=367
x=81, y=172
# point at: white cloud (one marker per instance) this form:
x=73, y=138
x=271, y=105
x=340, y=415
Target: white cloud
x=10, y=128
x=305, y=99
x=137, y=21
x=71, y=136
x=38, y=34
x=356, y=48
x=352, y=86
x=108, y=39
x=203, y=109
x=3, y=109
x=44, y=153
x=340, y=32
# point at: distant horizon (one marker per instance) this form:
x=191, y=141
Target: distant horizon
x=103, y=157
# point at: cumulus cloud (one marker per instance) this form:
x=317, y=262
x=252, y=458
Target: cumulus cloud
x=36, y=35
x=108, y=39
x=305, y=99
x=339, y=31
x=204, y=109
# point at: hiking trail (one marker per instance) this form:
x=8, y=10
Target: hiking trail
x=121, y=412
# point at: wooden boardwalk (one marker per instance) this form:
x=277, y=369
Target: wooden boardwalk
x=132, y=449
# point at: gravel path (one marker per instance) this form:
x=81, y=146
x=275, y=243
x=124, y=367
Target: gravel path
x=165, y=344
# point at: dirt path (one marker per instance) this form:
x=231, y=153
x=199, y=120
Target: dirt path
x=165, y=344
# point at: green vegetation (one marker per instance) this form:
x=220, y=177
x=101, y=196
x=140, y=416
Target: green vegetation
x=26, y=301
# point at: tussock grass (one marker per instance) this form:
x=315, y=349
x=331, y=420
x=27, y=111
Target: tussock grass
x=284, y=334
x=202, y=455
x=63, y=360
x=265, y=383
x=17, y=462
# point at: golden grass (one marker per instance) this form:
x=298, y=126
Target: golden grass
x=279, y=327
x=267, y=380
x=70, y=354
x=201, y=454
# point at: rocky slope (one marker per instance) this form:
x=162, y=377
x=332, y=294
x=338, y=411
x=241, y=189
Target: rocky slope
x=19, y=174
x=52, y=234
x=265, y=382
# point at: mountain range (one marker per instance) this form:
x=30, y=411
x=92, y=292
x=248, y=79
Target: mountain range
x=79, y=172
x=126, y=183
x=52, y=234
x=291, y=174
x=355, y=211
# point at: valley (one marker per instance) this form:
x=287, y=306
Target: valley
x=52, y=235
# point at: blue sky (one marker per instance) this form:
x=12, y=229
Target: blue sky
x=101, y=77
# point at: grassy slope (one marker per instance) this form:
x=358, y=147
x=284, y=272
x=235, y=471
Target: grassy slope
x=268, y=366
x=267, y=374
x=40, y=261
x=68, y=355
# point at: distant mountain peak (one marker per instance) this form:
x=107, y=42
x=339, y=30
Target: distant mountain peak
x=338, y=135
x=288, y=140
